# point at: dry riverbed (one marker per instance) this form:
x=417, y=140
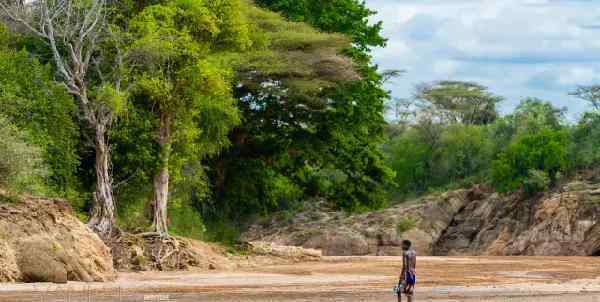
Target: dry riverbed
x=343, y=279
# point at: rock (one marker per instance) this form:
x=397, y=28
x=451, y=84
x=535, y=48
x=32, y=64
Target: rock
x=473, y=221
x=42, y=260
x=375, y=233
x=46, y=242
x=344, y=244
x=552, y=224
x=9, y=270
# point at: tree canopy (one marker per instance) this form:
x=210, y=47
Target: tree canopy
x=459, y=102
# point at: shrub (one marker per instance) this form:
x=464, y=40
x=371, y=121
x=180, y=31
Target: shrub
x=43, y=111
x=405, y=224
x=527, y=158
x=536, y=181
x=21, y=166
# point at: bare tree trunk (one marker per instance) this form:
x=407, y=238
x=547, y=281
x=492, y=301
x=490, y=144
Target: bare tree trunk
x=161, y=179
x=102, y=214
x=72, y=29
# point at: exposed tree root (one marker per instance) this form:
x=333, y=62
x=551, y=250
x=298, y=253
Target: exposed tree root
x=151, y=251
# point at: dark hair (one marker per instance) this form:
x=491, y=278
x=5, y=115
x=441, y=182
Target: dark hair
x=407, y=243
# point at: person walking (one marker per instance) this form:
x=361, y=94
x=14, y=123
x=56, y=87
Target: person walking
x=408, y=279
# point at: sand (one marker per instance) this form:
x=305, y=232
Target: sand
x=350, y=279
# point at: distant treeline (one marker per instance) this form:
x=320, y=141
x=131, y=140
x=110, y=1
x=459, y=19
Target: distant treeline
x=450, y=134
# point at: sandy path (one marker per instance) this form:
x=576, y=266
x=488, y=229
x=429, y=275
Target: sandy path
x=345, y=279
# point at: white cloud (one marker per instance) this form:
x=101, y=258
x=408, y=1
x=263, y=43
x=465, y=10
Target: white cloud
x=518, y=48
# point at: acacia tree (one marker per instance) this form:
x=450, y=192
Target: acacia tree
x=591, y=94
x=72, y=30
x=459, y=102
x=176, y=77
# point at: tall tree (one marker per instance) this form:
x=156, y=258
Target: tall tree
x=459, y=102
x=72, y=29
x=297, y=94
x=177, y=76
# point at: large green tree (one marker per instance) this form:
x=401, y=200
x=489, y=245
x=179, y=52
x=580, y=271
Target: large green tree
x=297, y=100
x=176, y=50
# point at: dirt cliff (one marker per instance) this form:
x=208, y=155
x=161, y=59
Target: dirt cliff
x=41, y=241
x=473, y=221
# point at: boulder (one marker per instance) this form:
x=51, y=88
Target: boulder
x=42, y=241
x=40, y=259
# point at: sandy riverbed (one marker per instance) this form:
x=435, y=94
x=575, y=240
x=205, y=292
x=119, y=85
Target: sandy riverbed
x=350, y=279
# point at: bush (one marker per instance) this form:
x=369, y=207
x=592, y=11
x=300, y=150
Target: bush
x=405, y=224
x=21, y=166
x=427, y=157
x=584, y=143
x=527, y=158
x=184, y=220
x=536, y=181
x=43, y=111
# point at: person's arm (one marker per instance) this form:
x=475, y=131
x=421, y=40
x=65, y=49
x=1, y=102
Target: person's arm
x=415, y=262
x=403, y=271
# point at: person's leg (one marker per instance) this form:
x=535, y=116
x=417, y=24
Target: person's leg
x=410, y=290
x=399, y=297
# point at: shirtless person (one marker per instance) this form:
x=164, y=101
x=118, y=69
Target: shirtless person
x=407, y=275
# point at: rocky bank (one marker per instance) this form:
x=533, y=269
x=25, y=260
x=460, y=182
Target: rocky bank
x=474, y=221
x=564, y=222
x=42, y=241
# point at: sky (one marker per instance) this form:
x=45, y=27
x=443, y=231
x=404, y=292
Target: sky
x=517, y=48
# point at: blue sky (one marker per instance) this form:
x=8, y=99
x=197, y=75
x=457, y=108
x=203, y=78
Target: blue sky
x=518, y=48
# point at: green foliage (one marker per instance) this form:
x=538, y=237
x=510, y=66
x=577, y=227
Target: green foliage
x=21, y=165
x=544, y=151
x=525, y=149
x=459, y=102
x=584, y=143
x=115, y=100
x=301, y=59
x=429, y=155
x=405, y=224
x=42, y=109
x=466, y=151
x=350, y=17
x=185, y=221
x=297, y=96
x=536, y=181
x=410, y=158
x=533, y=115
x=180, y=52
